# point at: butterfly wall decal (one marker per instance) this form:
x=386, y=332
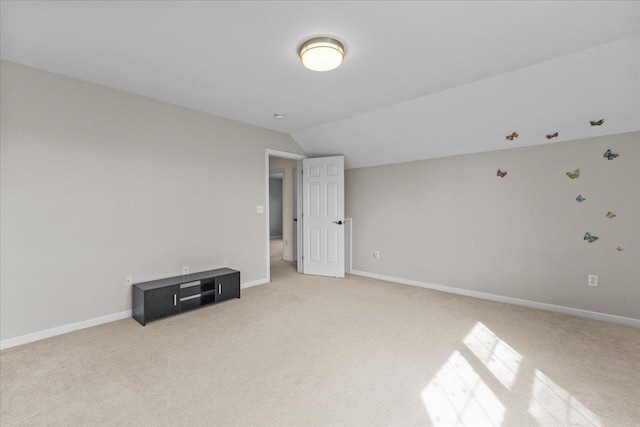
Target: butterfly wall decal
x=610, y=215
x=598, y=123
x=501, y=174
x=553, y=135
x=609, y=155
x=589, y=238
x=512, y=136
x=620, y=249
x=580, y=199
x=575, y=174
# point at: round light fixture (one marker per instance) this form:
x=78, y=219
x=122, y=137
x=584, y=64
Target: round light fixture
x=321, y=53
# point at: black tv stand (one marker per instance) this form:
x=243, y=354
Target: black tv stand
x=165, y=297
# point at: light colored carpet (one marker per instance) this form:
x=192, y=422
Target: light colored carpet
x=306, y=350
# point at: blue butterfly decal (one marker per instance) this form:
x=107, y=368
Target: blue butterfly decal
x=580, y=199
x=609, y=155
x=588, y=237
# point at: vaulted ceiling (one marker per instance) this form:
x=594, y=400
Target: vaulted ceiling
x=420, y=79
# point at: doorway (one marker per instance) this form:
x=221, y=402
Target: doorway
x=280, y=213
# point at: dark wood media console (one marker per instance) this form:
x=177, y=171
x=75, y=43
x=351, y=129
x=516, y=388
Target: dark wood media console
x=165, y=297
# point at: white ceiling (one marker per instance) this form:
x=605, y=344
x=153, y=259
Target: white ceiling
x=409, y=66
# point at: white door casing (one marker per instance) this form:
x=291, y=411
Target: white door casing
x=323, y=216
x=299, y=235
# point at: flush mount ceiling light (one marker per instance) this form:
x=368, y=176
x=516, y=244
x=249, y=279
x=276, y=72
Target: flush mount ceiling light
x=321, y=53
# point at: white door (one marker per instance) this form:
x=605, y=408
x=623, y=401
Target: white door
x=295, y=213
x=323, y=216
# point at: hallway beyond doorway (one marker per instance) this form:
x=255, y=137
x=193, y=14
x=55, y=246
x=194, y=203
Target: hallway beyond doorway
x=279, y=267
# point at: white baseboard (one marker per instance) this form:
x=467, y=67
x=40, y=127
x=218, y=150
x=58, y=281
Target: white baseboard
x=64, y=329
x=246, y=285
x=629, y=321
x=287, y=258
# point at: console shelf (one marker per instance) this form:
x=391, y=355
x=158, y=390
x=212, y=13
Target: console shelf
x=165, y=297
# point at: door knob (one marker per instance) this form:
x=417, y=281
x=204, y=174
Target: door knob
x=337, y=222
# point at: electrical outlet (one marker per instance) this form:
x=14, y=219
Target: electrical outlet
x=185, y=270
x=376, y=254
x=592, y=280
x=260, y=209
x=128, y=281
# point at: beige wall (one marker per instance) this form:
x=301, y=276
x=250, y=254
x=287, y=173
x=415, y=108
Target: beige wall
x=453, y=222
x=287, y=229
x=98, y=184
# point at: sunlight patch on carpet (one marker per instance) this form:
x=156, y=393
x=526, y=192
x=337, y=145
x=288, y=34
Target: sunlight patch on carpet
x=550, y=404
x=495, y=354
x=458, y=396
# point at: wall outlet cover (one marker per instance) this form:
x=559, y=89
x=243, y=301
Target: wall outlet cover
x=128, y=281
x=592, y=280
x=185, y=270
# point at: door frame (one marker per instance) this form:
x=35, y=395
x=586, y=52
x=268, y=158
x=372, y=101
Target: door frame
x=285, y=155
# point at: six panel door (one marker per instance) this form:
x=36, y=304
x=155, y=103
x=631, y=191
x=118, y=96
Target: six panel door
x=323, y=216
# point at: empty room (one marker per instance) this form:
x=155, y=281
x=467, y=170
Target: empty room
x=328, y=213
